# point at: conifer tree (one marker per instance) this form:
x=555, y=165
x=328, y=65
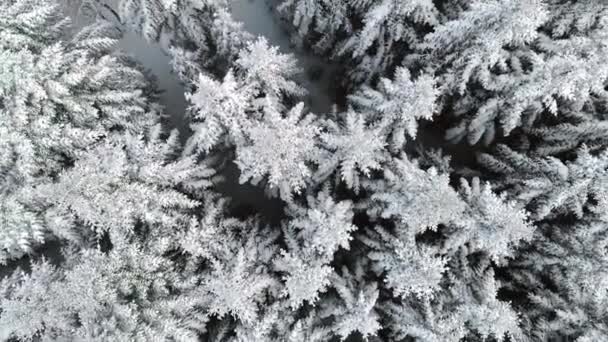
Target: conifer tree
x=61, y=95
x=128, y=294
x=371, y=36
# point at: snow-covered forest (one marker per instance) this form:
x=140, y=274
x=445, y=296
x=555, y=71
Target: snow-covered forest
x=304, y=170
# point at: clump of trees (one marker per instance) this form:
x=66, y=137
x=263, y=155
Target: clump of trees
x=378, y=240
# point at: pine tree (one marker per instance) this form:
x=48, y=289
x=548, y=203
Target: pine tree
x=328, y=18
x=565, y=276
x=531, y=69
x=410, y=269
x=128, y=294
x=398, y=104
x=198, y=35
x=220, y=112
x=371, y=36
x=549, y=186
x=61, y=95
x=314, y=233
x=233, y=262
x=479, y=49
x=419, y=199
x=389, y=26
x=353, y=309
x=352, y=149
x=467, y=306
x=282, y=149
x=113, y=177
x=490, y=223
x=268, y=71
x=83, y=91
x=225, y=111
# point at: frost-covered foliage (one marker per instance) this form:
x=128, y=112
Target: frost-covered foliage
x=353, y=148
x=319, y=16
x=575, y=17
x=128, y=294
x=417, y=201
x=237, y=284
x=549, y=186
x=61, y=94
x=220, y=112
x=466, y=308
x=565, y=274
x=197, y=34
x=314, y=234
x=353, y=308
x=527, y=69
x=420, y=199
x=491, y=223
x=388, y=229
x=96, y=190
x=473, y=43
x=247, y=111
x=260, y=74
x=398, y=104
x=370, y=35
x=561, y=274
x=267, y=70
x=499, y=67
x=410, y=269
x=280, y=148
x=226, y=111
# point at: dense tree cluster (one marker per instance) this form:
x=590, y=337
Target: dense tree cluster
x=378, y=240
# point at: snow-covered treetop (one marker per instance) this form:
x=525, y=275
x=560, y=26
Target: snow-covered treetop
x=280, y=148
